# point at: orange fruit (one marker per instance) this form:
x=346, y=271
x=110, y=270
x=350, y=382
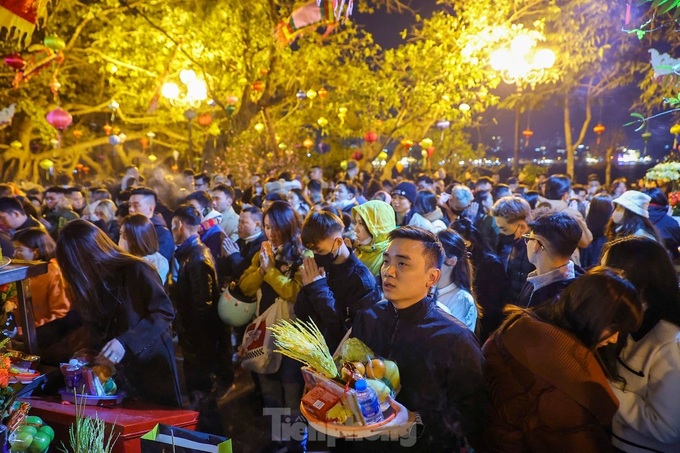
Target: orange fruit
x=360, y=368
x=375, y=369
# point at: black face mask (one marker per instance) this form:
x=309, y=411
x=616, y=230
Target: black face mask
x=327, y=259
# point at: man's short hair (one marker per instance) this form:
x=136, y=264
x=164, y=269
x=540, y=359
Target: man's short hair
x=579, y=188
x=511, y=209
x=426, y=179
x=201, y=197
x=102, y=193
x=484, y=180
x=6, y=190
x=55, y=189
x=254, y=211
x=559, y=229
x=11, y=204
x=351, y=188
x=511, y=180
x=319, y=226
x=188, y=214
x=146, y=191
x=434, y=252
x=71, y=190
x=462, y=194
x=556, y=186
x=500, y=190
x=593, y=177
x=314, y=185
x=225, y=189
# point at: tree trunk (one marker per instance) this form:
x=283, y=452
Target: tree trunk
x=608, y=166
x=568, y=139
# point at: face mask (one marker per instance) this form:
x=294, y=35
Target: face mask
x=459, y=213
x=327, y=259
x=617, y=216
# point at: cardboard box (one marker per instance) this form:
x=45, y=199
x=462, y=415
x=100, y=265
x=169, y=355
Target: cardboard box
x=319, y=401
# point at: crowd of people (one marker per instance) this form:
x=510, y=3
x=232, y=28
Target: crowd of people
x=521, y=318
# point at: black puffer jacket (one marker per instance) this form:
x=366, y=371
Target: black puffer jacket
x=440, y=364
x=668, y=227
x=195, y=296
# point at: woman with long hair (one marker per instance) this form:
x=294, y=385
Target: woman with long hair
x=47, y=290
x=426, y=206
x=489, y=281
x=599, y=214
x=299, y=201
x=649, y=363
x=548, y=385
x=631, y=217
x=124, y=308
x=275, y=273
x=453, y=287
x=138, y=238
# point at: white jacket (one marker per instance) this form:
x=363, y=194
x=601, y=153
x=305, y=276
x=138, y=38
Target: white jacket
x=649, y=407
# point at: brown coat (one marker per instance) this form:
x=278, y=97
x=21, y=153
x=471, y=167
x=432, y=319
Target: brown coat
x=547, y=391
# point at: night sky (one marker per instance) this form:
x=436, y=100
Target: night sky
x=547, y=123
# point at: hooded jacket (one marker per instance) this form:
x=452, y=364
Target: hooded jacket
x=379, y=219
x=667, y=226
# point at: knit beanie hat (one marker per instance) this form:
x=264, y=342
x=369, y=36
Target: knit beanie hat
x=636, y=202
x=406, y=189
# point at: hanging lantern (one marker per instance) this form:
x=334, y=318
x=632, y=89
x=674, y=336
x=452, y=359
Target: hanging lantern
x=311, y=94
x=144, y=142
x=114, y=140
x=646, y=135
x=527, y=133
x=86, y=169
x=406, y=143
x=464, y=107
x=343, y=165
x=282, y=146
x=230, y=109
x=113, y=105
x=599, y=129
x=59, y=118
x=77, y=133
x=301, y=95
x=258, y=86
x=442, y=124
x=382, y=155
x=323, y=148
x=151, y=135
x=322, y=121
x=357, y=155
x=322, y=93
x=426, y=143
x=308, y=143
x=423, y=153
x=152, y=158
x=430, y=151
x=371, y=136
x=16, y=144
x=259, y=127
x=204, y=119
x=107, y=129
x=15, y=61
x=54, y=42
x=342, y=111
x=232, y=100
x=214, y=130
x=675, y=130
x=46, y=164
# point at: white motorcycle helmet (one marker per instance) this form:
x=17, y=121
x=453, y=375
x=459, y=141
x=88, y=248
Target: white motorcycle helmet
x=233, y=311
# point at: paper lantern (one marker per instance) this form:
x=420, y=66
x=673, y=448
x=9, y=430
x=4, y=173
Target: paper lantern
x=646, y=136
x=15, y=61
x=322, y=93
x=371, y=136
x=231, y=100
x=16, y=144
x=214, y=130
x=323, y=148
x=399, y=166
x=308, y=143
x=114, y=140
x=204, y=119
x=357, y=155
x=144, y=142
x=443, y=124
x=343, y=165
x=426, y=143
x=59, y=118
x=301, y=95
x=230, y=109
x=311, y=94
x=406, y=143
x=54, y=42
x=259, y=127
x=258, y=86
x=675, y=129
x=599, y=129
x=46, y=164
x=322, y=121
x=152, y=158
x=430, y=151
x=382, y=155
x=77, y=133
x=107, y=128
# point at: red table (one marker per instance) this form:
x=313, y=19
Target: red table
x=129, y=421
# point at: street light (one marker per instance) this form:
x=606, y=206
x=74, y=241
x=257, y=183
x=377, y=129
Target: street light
x=196, y=91
x=519, y=64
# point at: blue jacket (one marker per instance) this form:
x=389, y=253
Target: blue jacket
x=166, y=244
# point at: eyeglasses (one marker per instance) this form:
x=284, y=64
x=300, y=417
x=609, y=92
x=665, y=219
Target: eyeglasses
x=527, y=237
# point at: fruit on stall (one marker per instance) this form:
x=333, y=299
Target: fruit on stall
x=32, y=436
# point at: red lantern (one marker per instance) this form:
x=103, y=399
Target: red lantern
x=107, y=129
x=204, y=119
x=430, y=151
x=59, y=119
x=258, y=85
x=527, y=133
x=599, y=129
x=145, y=142
x=308, y=143
x=406, y=143
x=77, y=134
x=371, y=136
x=322, y=93
x=15, y=61
x=357, y=155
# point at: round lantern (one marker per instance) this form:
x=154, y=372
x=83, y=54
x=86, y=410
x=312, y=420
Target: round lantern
x=114, y=140
x=527, y=134
x=322, y=93
x=423, y=153
x=259, y=127
x=311, y=94
x=59, y=118
x=258, y=86
x=15, y=61
x=46, y=164
x=231, y=100
x=426, y=143
x=382, y=155
x=204, y=119
x=599, y=129
x=323, y=148
x=406, y=143
x=230, y=109
x=77, y=133
x=16, y=144
x=430, y=151
x=342, y=111
x=343, y=165
x=54, y=42
x=357, y=155
x=322, y=121
x=675, y=129
x=107, y=128
x=371, y=136
x=308, y=143
x=152, y=158
x=443, y=124
x=301, y=95
x=646, y=136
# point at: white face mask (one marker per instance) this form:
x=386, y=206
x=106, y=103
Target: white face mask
x=617, y=216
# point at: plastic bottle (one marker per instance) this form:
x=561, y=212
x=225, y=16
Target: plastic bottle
x=368, y=402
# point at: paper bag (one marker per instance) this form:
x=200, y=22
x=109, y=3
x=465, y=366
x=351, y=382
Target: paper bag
x=171, y=439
